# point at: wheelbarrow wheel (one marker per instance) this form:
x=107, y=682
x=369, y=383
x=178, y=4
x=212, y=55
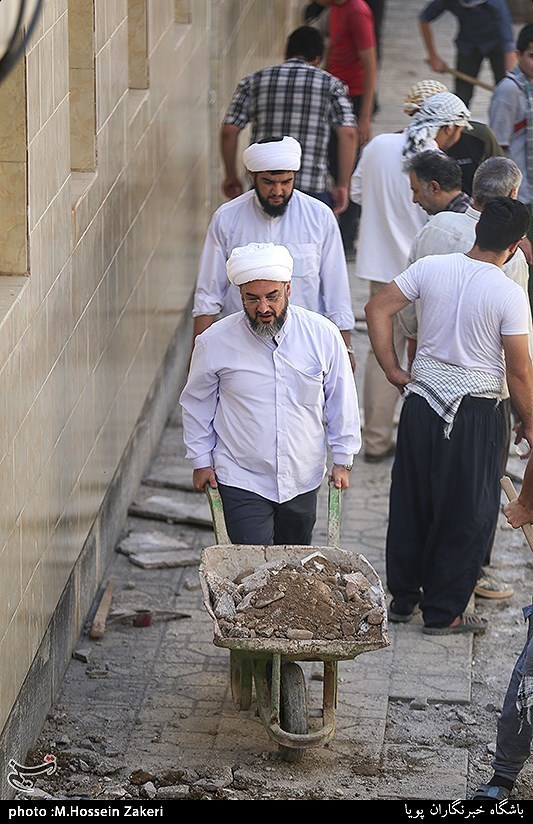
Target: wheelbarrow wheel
x=294, y=715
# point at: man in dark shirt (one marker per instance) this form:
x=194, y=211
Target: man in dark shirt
x=485, y=33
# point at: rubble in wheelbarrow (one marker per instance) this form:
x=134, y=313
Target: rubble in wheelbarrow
x=311, y=599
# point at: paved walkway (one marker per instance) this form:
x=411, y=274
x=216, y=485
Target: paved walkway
x=164, y=695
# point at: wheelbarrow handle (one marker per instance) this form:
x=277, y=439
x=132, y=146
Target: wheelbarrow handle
x=219, y=522
x=334, y=516
x=217, y=515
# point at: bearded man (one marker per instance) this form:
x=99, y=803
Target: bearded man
x=273, y=211
x=270, y=388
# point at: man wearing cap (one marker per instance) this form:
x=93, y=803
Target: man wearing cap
x=274, y=211
x=474, y=145
x=389, y=222
x=269, y=389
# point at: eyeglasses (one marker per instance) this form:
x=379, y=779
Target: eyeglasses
x=271, y=299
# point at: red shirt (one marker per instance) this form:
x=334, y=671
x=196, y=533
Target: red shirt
x=351, y=30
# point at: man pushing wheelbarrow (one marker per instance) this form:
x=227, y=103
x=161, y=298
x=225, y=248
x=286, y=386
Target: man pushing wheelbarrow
x=269, y=389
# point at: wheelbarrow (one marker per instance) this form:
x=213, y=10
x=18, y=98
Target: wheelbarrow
x=271, y=664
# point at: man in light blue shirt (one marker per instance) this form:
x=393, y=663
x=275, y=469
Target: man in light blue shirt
x=269, y=389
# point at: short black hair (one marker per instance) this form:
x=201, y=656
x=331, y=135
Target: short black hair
x=502, y=222
x=432, y=164
x=525, y=36
x=306, y=42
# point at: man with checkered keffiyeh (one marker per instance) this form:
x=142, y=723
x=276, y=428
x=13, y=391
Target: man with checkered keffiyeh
x=445, y=490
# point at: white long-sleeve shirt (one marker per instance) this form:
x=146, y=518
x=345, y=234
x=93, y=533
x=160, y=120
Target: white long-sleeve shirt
x=263, y=411
x=389, y=218
x=308, y=229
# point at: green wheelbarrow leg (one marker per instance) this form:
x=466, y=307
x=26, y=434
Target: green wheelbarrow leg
x=241, y=679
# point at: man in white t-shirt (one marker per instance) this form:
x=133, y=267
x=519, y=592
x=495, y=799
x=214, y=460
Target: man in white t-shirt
x=445, y=492
x=448, y=232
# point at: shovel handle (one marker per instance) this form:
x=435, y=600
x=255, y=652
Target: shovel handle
x=468, y=79
x=512, y=494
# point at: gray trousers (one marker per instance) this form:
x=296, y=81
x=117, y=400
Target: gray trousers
x=252, y=519
x=513, y=745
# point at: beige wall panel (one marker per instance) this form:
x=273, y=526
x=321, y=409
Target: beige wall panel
x=83, y=121
x=80, y=33
x=13, y=120
x=13, y=217
x=138, y=44
x=10, y=684
x=10, y=559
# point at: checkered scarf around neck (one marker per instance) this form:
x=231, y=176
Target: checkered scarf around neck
x=442, y=109
x=526, y=85
x=444, y=386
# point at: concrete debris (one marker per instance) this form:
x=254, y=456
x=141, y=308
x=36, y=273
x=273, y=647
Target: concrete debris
x=157, y=550
x=174, y=507
x=311, y=599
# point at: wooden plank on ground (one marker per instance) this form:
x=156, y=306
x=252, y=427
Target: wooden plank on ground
x=98, y=625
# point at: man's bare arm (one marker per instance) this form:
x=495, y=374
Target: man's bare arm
x=364, y=118
x=434, y=59
x=347, y=150
x=380, y=311
x=519, y=373
x=229, y=139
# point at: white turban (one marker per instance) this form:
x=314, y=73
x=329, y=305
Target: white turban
x=276, y=155
x=259, y=261
x=442, y=109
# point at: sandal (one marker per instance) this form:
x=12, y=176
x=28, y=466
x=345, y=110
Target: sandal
x=490, y=792
x=467, y=623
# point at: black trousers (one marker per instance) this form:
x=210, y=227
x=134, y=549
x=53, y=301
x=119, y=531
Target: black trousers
x=505, y=410
x=349, y=219
x=471, y=64
x=251, y=519
x=444, y=503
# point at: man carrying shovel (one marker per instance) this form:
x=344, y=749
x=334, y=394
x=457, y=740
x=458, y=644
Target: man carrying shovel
x=513, y=742
x=485, y=33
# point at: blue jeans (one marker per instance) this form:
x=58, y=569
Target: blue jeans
x=513, y=745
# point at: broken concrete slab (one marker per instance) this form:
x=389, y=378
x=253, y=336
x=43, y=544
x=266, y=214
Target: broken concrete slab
x=172, y=506
x=157, y=550
x=171, y=472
